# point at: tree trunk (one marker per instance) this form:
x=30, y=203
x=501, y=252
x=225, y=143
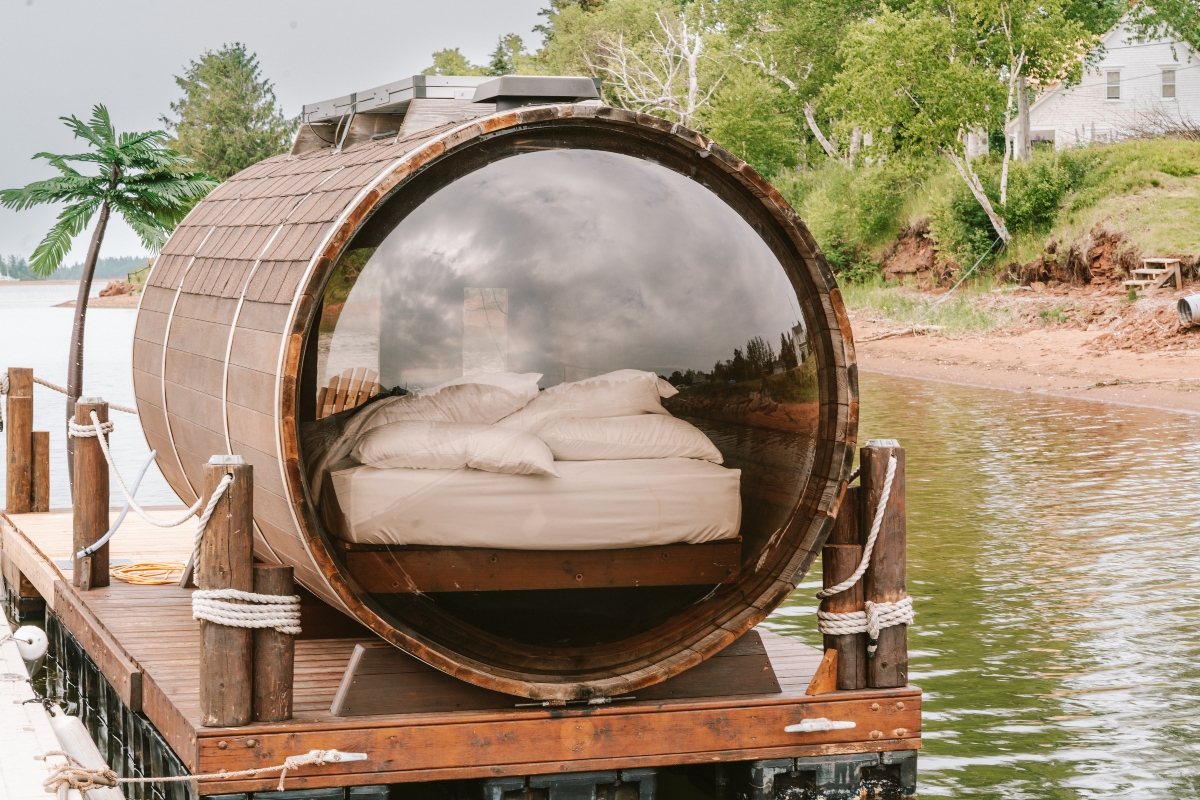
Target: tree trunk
x=855, y=144
x=830, y=150
x=1024, y=144
x=973, y=183
x=75, y=355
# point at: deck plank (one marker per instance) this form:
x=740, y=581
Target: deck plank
x=149, y=631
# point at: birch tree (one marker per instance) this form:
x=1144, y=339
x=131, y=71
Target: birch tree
x=671, y=72
x=926, y=77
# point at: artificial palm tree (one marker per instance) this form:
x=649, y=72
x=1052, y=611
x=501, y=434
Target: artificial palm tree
x=138, y=177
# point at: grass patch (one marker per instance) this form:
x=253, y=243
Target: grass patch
x=961, y=313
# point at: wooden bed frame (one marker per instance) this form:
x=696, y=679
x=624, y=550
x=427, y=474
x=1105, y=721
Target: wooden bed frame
x=409, y=569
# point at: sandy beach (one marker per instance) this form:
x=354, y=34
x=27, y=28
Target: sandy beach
x=1055, y=361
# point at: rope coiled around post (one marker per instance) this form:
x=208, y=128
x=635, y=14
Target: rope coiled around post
x=248, y=610
x=875, y=616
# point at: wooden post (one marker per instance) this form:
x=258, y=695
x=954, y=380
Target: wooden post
x=18, y=411
x=838, y=562
x=274, y=652
x=839, y=559
x=884, y=580
x=91, y=499
x=41, y=471
x=226, y=562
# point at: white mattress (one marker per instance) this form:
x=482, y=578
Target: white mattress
x=594, y=505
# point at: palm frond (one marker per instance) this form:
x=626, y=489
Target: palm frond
x=54, y=190
x=152, y=230
x=83, y=131
x=139, y=176
x=49, y=254
x=101, y=125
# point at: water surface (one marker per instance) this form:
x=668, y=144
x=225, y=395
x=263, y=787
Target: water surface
x=1054, y=549
x=35, y=334
x=1053, y=555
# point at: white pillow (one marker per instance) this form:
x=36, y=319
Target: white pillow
x=477, y=402
x=451, y=445
x=615, y=438
x=623, y=393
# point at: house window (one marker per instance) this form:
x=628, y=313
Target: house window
x=1168, y=84
x=1114, y=86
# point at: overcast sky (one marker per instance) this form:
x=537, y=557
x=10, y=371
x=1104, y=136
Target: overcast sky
x=60, y=57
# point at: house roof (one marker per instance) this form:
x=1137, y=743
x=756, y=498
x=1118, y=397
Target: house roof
x=1057, y=87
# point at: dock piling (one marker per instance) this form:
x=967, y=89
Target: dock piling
x=90, y=500
x=41, y=471
x=18, y=412
x=227, y=562
x=839, y=559
x=274, y=652
x=884, y=580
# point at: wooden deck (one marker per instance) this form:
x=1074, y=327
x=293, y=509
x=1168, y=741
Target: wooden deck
x=144, y=640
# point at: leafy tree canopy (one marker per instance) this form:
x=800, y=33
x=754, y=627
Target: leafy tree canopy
x=1168, y=18
x=452, y=62
x=228, y=118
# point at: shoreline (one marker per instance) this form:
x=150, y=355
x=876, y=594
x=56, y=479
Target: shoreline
x=1056, y=362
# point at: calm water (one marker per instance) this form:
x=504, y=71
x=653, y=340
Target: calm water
x=34, y=334
x=1053, y=555
x=1054, y=549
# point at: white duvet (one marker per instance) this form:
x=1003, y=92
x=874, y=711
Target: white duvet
x=594, y=505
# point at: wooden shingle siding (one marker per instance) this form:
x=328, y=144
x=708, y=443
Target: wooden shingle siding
x=233, y=297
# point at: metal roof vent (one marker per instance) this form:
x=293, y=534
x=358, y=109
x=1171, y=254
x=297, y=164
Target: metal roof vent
x=511, y=91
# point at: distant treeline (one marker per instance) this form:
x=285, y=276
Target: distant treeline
x=116, y=267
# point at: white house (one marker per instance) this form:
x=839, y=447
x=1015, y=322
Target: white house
x=1135, y=86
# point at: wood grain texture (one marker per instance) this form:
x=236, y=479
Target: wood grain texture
x=884, y=581
x=227, y=562
x=18, y=441
x=468, y=569
x=292, y=218
x=274, y=652
x=151, y=632
x=40, y=452
x=90, y=500
x=838, y=562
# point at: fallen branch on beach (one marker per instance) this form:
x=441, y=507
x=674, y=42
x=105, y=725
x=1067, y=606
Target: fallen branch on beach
x=912, y=330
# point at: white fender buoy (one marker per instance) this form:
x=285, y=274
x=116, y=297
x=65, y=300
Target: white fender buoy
x=31, y=644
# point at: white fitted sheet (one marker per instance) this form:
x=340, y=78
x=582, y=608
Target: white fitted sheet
x=594, y=505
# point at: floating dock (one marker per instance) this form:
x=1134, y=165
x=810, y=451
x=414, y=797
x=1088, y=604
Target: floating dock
x=416, y=724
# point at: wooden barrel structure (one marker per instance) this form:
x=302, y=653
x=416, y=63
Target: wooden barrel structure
x=237, y=351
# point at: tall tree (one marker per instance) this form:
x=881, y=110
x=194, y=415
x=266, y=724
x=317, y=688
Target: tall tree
x=452, y=62
x=922, y=79
x=509, y=57
x=138, y=177
x=228, y=118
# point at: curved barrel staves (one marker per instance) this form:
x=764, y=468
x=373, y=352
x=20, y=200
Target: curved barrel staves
x=225, y=362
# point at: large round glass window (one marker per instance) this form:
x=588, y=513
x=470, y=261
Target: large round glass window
x=563, y=363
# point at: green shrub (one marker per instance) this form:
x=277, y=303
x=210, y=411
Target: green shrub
x=852, y=213
x=1036, y=191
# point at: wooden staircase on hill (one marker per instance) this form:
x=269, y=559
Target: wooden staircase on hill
x=1155, y=274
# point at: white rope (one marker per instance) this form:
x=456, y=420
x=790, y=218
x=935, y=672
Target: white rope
x=203, y=523
x=98, y=428
x=874, y=619
x=248, y=610
x=875, y=616
x=77, y=431
x=60, y=390
x=77, y=776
